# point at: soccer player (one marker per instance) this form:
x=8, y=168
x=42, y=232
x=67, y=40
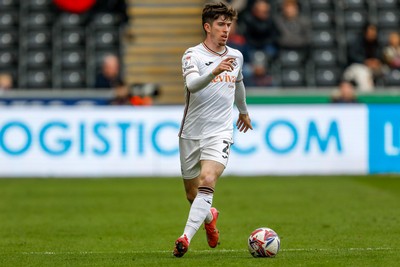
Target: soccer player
x=213, y=78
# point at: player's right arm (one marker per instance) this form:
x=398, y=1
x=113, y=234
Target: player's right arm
x=193, y=80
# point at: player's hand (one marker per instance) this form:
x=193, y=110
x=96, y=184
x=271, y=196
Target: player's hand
x=225, y=65
x=244, y=123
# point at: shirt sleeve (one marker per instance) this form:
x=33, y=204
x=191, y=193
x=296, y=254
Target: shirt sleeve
x=240, y=75
x=194, y=82
x=189, y=63
x=240, y=98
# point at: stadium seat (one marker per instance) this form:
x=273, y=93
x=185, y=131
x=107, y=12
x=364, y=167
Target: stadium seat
x=323, y=38
x=37, y=4
x=72, y=59
x=8, y=58
x=320, y=4
x=321, y=19
x=8, y=19
x=39, y=79
x=38, y=19
x=352, y=4
x=72, y=38
x=388, y=18
x=106, y=38
x=386, y=4
x=291, y=58
x=327, y=76
x=324, y=57
x=68, y=20
x=38, y=39
x=8, y=38
x=73, y=79
x=105, y=20
x=292, y=77
x=355, y=19
x=38, y=59
x=392, y=78
x=37, y=42
x=8, y=4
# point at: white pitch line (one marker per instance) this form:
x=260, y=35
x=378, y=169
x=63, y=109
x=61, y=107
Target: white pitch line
x=194, y=251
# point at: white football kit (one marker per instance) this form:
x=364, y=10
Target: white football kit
x=207, y=125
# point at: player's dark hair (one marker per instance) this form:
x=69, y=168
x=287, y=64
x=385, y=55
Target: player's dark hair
x=213, y=11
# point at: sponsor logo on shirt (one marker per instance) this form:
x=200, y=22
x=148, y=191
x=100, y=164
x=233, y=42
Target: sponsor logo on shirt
x=224, y=78
x=187, y=64
x=188, y=68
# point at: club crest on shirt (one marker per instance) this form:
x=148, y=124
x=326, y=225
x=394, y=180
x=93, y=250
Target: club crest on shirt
x=235, y=64
x=187, y=61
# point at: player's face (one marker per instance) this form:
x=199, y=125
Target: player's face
x=219, y=30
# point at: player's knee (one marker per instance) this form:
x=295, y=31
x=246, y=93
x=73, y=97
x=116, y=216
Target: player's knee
x=208, y=179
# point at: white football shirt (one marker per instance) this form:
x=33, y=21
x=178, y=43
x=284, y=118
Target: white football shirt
x=208, y=112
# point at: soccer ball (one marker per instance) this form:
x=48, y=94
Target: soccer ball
x=264, y=242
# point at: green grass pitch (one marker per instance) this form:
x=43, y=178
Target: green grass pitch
x=322, y=221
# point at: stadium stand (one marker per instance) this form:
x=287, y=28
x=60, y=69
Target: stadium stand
x=41, y=47
x=163, y=31
x=156, y=51
x=334, y=25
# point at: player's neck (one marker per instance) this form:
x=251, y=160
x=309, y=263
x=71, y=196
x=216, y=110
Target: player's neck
x=214, y=47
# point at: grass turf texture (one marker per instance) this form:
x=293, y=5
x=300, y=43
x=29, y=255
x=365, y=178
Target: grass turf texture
x=322, y=221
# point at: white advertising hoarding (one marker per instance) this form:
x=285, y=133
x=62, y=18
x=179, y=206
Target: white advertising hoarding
x=318, y=139
x=89, y=141
x=118, y=141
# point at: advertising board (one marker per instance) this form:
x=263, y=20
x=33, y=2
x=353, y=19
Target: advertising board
x=142, y=141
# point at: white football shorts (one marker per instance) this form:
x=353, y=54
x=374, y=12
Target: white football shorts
x=214, y=148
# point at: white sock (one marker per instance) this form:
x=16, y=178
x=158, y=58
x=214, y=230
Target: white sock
x=198, y=211
x=209, y=217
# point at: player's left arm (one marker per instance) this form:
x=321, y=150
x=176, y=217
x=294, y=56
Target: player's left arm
x=244, y=122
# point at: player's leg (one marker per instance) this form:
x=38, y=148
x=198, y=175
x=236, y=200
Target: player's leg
x=189, y=152
x=199, y=191
x=191, y=189
x=214, y=160
x=190, y=166
x=201, y=207
x=212, y=171
x=191, y=186
x=182, y=243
